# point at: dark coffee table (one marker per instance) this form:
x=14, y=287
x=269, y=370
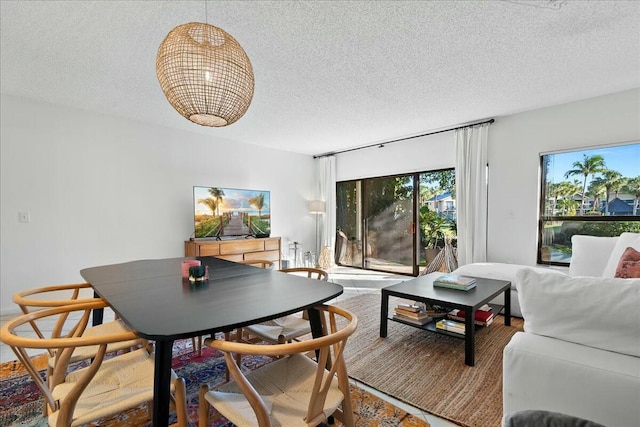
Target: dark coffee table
x=422, y=289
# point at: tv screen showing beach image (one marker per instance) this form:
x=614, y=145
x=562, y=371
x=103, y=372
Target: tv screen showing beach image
x=220, y=212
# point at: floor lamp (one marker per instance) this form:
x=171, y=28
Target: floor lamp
x=317, y=207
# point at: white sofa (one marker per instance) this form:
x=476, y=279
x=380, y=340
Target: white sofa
x=579, y=353
x=590, y=257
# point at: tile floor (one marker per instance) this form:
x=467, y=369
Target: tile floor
x=354, y=281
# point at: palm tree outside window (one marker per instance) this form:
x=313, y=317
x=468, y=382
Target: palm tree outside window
x=590, y=192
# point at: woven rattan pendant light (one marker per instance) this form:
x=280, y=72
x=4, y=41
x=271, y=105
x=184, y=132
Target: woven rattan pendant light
x=205, y=74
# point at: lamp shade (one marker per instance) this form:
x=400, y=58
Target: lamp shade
x=205, y=74
x=316, y=206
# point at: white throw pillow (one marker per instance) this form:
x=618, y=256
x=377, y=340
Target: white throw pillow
x=626, y=240
x=594, y=311
x=590, y=255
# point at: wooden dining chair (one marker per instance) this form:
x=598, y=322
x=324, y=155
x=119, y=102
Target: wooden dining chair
x=287, y=328
x=294, y=390
x=283, y=329
x=105, y=386
x=70, y=294
x=60, y=295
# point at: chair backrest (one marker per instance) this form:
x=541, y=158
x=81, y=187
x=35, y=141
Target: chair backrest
x=59, y=295
x=62, y=344
x=312, y=273
x=50, y=296
x=261, y=263
x=339, y=325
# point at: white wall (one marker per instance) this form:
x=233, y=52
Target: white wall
x=102, y=189
x=414, y=155
x=515, y=143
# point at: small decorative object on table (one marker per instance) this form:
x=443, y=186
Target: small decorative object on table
x=186, y=265
x=198, y=273
x=453, y=281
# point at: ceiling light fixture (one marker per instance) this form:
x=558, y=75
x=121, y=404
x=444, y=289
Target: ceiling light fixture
x=205, y=74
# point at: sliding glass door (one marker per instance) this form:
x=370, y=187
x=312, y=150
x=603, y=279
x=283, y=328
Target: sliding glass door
x=388, y=223
x=395, y=223
x=375, y=220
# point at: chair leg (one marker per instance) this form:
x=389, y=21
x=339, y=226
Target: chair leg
x=343, y=384
x=150, y=409
x=203, y=406
x=45, y=406
x=227, y=337
x=181, y=402
x=197, y=345
x=238, y=355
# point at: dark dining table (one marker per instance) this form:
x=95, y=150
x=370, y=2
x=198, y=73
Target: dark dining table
x=153, y=299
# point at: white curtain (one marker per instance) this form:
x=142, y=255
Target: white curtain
x=471, y=193
x=327, y=173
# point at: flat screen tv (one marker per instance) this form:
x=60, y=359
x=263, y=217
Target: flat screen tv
x=226, y=212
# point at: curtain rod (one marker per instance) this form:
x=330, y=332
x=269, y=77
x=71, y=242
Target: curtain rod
x=382, y=144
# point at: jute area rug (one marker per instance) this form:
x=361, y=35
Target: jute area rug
x=426, y=369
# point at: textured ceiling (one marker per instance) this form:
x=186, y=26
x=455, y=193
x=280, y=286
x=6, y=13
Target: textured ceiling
x=329, y=74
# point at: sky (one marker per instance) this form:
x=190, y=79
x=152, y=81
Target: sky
x=622, y=158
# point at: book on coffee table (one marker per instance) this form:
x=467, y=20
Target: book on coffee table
x=453, y=281
x=414, y=314
x=416, y=308
x=413, y=320
x=482, y=317
x=450, y=326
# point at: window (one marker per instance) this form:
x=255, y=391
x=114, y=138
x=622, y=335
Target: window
x=377, y=218
x=592, y=192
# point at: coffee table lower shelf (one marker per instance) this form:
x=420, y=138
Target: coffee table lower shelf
x=431, y=326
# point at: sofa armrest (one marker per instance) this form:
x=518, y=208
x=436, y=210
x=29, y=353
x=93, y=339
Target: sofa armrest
x=553, y=375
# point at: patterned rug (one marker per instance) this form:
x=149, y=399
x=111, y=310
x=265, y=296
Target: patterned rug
x=21, y=403
x=427, y=370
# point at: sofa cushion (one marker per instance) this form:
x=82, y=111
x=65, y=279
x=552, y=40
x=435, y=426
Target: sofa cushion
x=629, y=264
x=597, y=312
x=590, y=255
x=626, y=240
